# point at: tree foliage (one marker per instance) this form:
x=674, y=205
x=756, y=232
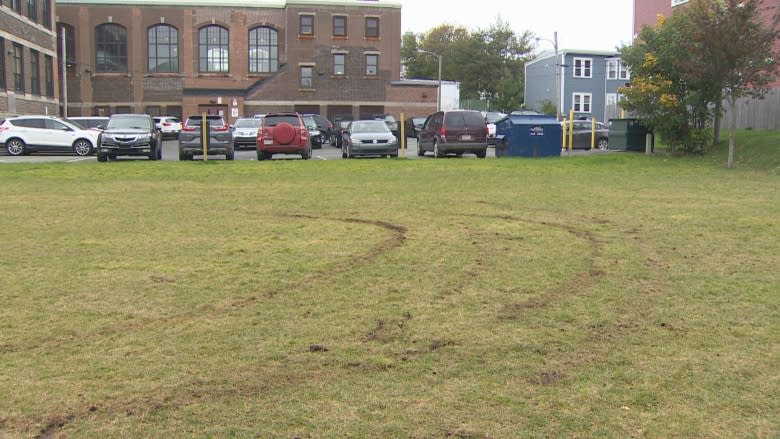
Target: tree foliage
x=488, y=63
x=685, y=65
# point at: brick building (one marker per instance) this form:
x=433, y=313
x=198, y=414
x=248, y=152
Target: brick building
x=183, y=57
x=28, y=58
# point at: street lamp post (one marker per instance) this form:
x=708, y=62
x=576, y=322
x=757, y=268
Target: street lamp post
x=557, y=66
x=438, y=93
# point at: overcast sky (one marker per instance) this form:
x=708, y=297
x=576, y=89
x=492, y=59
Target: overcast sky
x=581, y=24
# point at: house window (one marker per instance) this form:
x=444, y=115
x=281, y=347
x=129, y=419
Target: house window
x=48, y=75
x=213, y=49
x=372, y=27
x=2, y=64
x=372, y=61
x=16, y=5
x=612, y=68
x=35, y=72
x=306, y=76
x=263, y=50
x=46, y=13
x=340, y=26
x=18, y=68
x=583, y=68
x=163, y=45
x=110, y=48
x=624, y=73
x=338, y=64
x=582, y=102
x=32, y=9
x=306, y=24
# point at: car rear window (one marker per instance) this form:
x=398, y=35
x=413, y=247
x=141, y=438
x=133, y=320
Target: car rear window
x=195, y=121
x=272, y=121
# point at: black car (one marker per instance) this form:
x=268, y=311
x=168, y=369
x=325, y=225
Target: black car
x=324, y=126
x=339, y=132
x=129, y=135
x=413, y=125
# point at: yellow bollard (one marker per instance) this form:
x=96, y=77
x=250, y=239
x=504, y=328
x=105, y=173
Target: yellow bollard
x=593, y=133
x=571, y=129
x=563, y=142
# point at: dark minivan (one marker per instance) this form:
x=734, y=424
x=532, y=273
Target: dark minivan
x=453, y=132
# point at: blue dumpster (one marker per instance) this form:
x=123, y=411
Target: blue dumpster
x=528, y=136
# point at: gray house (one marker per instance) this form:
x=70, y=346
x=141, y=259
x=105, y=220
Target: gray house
x=581, y=80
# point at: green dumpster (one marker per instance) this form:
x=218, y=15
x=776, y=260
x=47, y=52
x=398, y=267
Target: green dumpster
x=628, y=135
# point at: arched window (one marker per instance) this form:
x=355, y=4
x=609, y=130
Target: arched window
x=110, y=48
x=263, y=50
x=163, y=44
x=213, y=49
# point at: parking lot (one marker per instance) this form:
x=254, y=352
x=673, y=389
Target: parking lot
x=170, y=152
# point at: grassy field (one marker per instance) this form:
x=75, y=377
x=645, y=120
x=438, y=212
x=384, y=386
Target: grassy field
x=614, y=295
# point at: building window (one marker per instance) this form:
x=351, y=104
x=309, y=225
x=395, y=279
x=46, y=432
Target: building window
x=46, y=13
x=339, y=60
x=110, y=48
x=372, y=27
x=306, y=25
x=339, y=26
x=163, y=44
x=48, y=75
x=582, y=68
x=32, y=9
x=306, y=77
x=612, y=68
x=372, y=61
x=263, y=50
x=2, y=64
x=35, y=72
x=18, y=68
x=16, y=5
x=582, y=102
x=623, y=72
x=213, y=49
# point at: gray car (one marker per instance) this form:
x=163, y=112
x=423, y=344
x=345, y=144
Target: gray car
x=367, y=138
x=220, y=139
x=583, y=134
x=129, y=135
x=245, y=132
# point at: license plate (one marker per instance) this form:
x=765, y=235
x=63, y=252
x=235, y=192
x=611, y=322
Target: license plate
x=465, y=137
x=268, y=141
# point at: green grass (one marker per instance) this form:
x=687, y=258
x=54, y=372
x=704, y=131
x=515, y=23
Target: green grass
x=614, y=295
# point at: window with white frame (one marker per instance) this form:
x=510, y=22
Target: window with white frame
x=624, y=73
x=582, y=102
x=583, y=67
x=372, y=61
x=612, y=68
x=307, y=72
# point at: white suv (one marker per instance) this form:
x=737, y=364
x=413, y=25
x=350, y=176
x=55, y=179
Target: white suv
x=24, y=134
x=169, y=126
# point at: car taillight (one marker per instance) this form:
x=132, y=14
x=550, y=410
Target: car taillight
x=167, y=124
x=190, y=128
x=443, y=132
x=221, y=128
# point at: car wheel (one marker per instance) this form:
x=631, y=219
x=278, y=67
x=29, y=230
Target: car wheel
x=82, y=147
x=436, y=151
x=15, y=147
x=420, y=150
x=306, y=154
x=153, y=154
x=343, y=153
x=482, y=153
x=231, y=155
x=102, y=157
x=159, y=151
x=602, y=143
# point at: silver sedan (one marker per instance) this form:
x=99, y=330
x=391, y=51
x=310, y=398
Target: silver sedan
x=369, y=138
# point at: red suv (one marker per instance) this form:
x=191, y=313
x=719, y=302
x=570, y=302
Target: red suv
x=283, y=133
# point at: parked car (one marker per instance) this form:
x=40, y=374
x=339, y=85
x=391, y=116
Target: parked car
x=90, y=122
x=169, y=126
x=453, y=132
x=22, y=135
x=369, y=137
x=245, y=132
x=491, y=117
x=220, y=139
x=392, y=124
x=283, y=133
x=413, y=126
x=583, y=130
x=341, y=126
x=130, y=135
x=325, y=127
x=315, y=135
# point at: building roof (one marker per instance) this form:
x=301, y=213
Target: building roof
x=549, y=54
x=277, y=4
